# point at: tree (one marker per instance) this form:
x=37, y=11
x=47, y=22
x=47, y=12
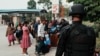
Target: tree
x=92, y=8
x=46, y=3
x=31, y=4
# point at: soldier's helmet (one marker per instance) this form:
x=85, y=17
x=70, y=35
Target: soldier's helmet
x=77, y=9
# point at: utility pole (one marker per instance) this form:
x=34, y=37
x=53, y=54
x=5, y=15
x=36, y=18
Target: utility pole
x=55, y=8
x=61, y=9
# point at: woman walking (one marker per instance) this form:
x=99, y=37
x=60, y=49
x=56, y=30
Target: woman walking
x=25, y=42
x=10, y=34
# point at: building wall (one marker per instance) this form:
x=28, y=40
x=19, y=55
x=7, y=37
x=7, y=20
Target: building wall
x=15, y=20
x=0, y=19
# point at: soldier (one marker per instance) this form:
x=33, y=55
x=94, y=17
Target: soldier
x=76, y=39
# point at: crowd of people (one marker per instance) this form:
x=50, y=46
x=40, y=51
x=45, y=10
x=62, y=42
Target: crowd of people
x=45, y=32
x=75, y=39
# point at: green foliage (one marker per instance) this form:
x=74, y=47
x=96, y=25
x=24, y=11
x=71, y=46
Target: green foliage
x=46, y=3
x=49, y=15
x=92, y=8
x=31, y=4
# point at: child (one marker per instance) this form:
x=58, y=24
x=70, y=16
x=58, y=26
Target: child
x=47, y=39
x=10, y=34
x=47, y=43
x=19, y=32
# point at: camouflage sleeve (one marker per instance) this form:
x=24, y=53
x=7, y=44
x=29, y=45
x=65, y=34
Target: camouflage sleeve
x=93, y=37
x=62, y=41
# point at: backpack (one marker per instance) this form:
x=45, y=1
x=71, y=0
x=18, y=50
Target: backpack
x=53, y=29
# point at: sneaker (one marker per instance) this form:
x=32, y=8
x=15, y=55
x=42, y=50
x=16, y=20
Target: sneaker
x=9, y=45
x=42, y=53
x=25, y=54
x=38, y=55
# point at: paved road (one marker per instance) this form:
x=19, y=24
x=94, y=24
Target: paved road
x=15, y=50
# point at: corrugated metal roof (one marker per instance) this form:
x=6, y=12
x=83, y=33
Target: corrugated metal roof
x=19, y=10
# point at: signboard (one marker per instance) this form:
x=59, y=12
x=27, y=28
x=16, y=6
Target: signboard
x=55, y=8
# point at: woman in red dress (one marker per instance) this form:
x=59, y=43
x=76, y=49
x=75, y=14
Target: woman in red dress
x=25, y=42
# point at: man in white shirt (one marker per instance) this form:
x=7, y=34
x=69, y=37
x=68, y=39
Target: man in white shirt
x=40, y=33
x=41, y=30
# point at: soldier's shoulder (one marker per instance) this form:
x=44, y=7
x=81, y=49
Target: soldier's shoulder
x=65, y=28
x=90, y=28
